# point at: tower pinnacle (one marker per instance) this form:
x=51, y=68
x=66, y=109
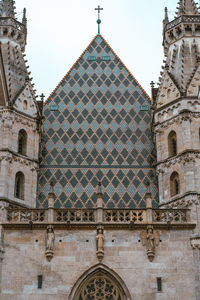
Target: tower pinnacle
x=8, y=8
x=99, y=20
x=187, y=7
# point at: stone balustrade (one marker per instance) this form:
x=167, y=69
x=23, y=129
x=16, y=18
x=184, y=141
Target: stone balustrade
x=91, y=216
x=183, y=19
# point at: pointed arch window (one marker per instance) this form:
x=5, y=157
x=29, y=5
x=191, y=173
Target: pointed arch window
x=19, y=185
x=100, y=287
x=22, y=142
x=174, y=184
x=172, y=143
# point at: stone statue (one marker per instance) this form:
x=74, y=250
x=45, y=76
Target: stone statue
x=100, y=243
x=150, y=240
x=50, y=239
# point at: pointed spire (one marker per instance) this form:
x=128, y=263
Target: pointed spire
x=8, y=8
x=24, y=19
x=187, y=7
x=166, y=20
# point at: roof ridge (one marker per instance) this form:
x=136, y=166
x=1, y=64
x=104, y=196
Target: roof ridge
x=98, y=35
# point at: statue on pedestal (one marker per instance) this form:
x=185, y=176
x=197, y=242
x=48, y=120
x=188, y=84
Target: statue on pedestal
x=100, y=244
x=50, y=239
x=150, y=239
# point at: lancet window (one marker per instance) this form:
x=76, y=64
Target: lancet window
x=22, y=142
x=174, y=184
x=172, y=143
x=19, y=185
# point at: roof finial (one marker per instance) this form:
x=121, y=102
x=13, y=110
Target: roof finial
x=99, y=20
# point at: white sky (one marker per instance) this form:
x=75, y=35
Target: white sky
x=59, y=31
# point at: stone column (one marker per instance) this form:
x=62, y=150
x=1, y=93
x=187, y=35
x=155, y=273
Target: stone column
x=149, y=208
x=51, y=199
x=195, y=243
x=3, y=219
x=99, y=204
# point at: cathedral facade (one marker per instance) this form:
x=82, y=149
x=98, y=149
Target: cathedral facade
x=99, y=183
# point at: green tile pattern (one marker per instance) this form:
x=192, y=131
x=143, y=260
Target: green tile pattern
x=98, y=132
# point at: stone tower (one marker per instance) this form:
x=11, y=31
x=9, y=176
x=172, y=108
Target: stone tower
x=19, y=113
x=177, y=109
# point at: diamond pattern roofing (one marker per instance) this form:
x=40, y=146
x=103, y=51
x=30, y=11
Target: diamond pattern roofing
x=97, y=128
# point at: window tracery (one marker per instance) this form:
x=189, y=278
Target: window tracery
x=100, y=287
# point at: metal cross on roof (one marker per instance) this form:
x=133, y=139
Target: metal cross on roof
x=99, y=20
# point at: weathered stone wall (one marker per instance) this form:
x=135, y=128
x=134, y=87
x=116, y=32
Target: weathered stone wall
x=75, y=253
x=12, y=162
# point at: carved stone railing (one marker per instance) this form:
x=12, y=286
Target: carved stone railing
x=171, y=216
x=184, y=19
x=74, y=215
x=27, y=215
x=124, y=215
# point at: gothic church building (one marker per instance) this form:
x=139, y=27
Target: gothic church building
x=99, y=183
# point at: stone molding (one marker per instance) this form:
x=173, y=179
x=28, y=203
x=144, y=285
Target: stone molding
x=174, y=102
x=11, y=157
x=185, y=200
x=10, y=117
x=178, y=119
x=182, y=159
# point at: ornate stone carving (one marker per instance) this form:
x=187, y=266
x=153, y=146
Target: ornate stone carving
x=195, y=242
x=181, y=159
x=184, y=201
x=100, y=287
x=100, y=243
x=3, y=211
x=150, y=239
x=177, y=119
x=50, y=239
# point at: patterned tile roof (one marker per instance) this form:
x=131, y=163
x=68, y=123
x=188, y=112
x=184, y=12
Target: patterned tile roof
x=97, y=128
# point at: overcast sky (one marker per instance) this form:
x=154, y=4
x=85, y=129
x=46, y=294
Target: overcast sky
x=60, y=30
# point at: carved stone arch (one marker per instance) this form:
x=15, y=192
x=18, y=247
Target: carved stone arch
x=106, y=277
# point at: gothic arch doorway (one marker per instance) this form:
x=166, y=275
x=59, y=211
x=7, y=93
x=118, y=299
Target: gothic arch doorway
x=99, y=283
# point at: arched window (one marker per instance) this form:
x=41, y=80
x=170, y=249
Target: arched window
x=25, y=105
x=99, y=283
x=168, y=93
x=174, y=184
x=22, y=142
x=172, y=143
x=100, y=287
x=19, y=185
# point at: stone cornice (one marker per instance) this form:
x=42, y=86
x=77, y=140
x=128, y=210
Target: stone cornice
x=13, y=116
x=10, y=156
x=184, y=115
x=184, y=200
x=165, y=106
x=183, y=157
x=90, y=226
x=13, y=203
